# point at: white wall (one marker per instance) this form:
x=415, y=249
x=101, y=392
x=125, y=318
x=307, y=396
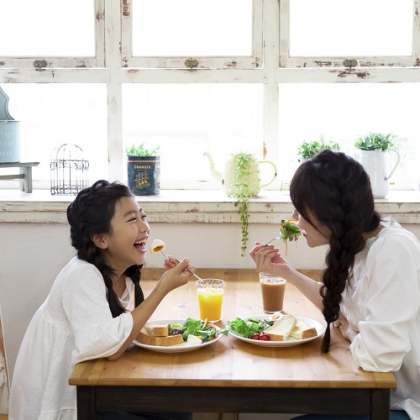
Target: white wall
x=31, y=255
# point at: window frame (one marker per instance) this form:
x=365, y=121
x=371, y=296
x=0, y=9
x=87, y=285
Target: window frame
x=254, y=61
x=43, y=62
x=110, y=19
x=288, y=61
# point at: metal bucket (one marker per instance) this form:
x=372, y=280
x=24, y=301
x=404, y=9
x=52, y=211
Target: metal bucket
x=9, y=141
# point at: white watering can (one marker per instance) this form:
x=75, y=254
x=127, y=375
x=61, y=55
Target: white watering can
x=226, y=176
x=374, y=163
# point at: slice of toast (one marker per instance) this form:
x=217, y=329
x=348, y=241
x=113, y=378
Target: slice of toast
x=302, y=330
x=145, y=338
x=281, y=328
x=158, y=330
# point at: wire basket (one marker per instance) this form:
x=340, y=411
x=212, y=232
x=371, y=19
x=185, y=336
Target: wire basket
x=69, y=170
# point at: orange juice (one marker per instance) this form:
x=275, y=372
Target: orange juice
x=210, y=298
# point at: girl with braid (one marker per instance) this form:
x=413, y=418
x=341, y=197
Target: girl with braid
x=95, y=308
x=370, y=289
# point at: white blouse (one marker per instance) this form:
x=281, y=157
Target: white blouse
x=72, y=325
x=383, y=304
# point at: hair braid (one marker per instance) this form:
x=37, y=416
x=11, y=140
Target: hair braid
x=335, y=189
x=134, y=272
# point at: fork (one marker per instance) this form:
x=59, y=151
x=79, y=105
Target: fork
x=276, y=238
x=192, y=272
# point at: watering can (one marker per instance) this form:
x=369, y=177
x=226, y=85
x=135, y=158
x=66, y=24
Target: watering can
x=226, y=176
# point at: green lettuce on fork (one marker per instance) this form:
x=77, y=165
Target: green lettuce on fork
x=289, y=231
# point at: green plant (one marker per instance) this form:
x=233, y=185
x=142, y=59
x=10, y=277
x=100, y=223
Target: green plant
x=141, y=150
x=308, y=150
x=243, y=171
x=376, y=141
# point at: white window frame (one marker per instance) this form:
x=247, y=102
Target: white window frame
x=43, y=62
x=287, y=61
x=113, y=15
x=200, y=62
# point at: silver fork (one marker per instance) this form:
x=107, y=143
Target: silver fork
x=276, y=238
x=192, y=272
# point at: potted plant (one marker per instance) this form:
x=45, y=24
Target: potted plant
x=143, y=167
x=245, y=176
x=376, y=141
x=374, y=148
x=309, y=149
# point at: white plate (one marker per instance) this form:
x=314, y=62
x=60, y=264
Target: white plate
x=177, y=348
x=290, y=341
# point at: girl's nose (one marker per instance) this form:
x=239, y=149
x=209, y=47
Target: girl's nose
x=295, y=214
x=144, y=226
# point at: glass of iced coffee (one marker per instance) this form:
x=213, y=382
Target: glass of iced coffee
x=272, y=289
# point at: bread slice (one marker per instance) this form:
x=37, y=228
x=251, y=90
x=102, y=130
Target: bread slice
x=158, y=330
x=145, y=338
x=302, y=330
x=281, y=328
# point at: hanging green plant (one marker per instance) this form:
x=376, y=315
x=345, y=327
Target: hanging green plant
x=244, y=171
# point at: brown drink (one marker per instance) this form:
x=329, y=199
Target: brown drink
x=272, y=288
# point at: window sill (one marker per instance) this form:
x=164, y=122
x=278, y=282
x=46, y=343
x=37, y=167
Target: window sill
x=191, y=206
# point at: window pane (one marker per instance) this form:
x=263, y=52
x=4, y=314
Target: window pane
x=343, y=112
x=54, y=114
x=192, y=28
x=328, y=28
x=187, y=120
x=47, y=28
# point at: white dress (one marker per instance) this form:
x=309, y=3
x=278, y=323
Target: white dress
x=383, y=304
x=72, y=325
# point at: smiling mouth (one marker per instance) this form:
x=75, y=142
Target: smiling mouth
x=140, y=244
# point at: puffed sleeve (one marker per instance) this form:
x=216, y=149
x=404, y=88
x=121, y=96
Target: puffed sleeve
x=96, y=332
x=391, y=305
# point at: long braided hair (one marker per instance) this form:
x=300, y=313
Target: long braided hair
x=336, y=190
x=89, y=214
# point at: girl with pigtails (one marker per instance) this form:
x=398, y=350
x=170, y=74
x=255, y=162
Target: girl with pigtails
x=370, y=288
x=95, y=308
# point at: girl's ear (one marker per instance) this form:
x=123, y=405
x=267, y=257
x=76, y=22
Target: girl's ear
x=100, y=240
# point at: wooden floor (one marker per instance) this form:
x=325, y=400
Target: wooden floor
x=3, y=417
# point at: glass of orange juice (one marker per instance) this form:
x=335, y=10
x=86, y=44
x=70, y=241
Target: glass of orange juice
x=210, y=297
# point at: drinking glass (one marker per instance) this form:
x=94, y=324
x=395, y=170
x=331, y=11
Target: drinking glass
x=210, y=297
x=272, y=289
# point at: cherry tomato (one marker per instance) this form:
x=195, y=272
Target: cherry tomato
x=255, y=336
x=264, y=337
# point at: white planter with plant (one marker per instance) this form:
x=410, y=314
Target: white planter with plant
x=143, y=170
x=374, y=149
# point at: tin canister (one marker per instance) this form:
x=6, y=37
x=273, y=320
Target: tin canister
x=9, y=141
x=144, y=174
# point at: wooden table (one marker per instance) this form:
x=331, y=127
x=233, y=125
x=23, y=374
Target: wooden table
x=231, y=375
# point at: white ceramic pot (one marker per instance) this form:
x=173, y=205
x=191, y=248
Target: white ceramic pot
x=375, y=164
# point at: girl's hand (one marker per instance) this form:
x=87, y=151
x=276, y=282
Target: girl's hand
x=268, y=259
x=170, y=262
x=344, y=328
x=177, y=274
